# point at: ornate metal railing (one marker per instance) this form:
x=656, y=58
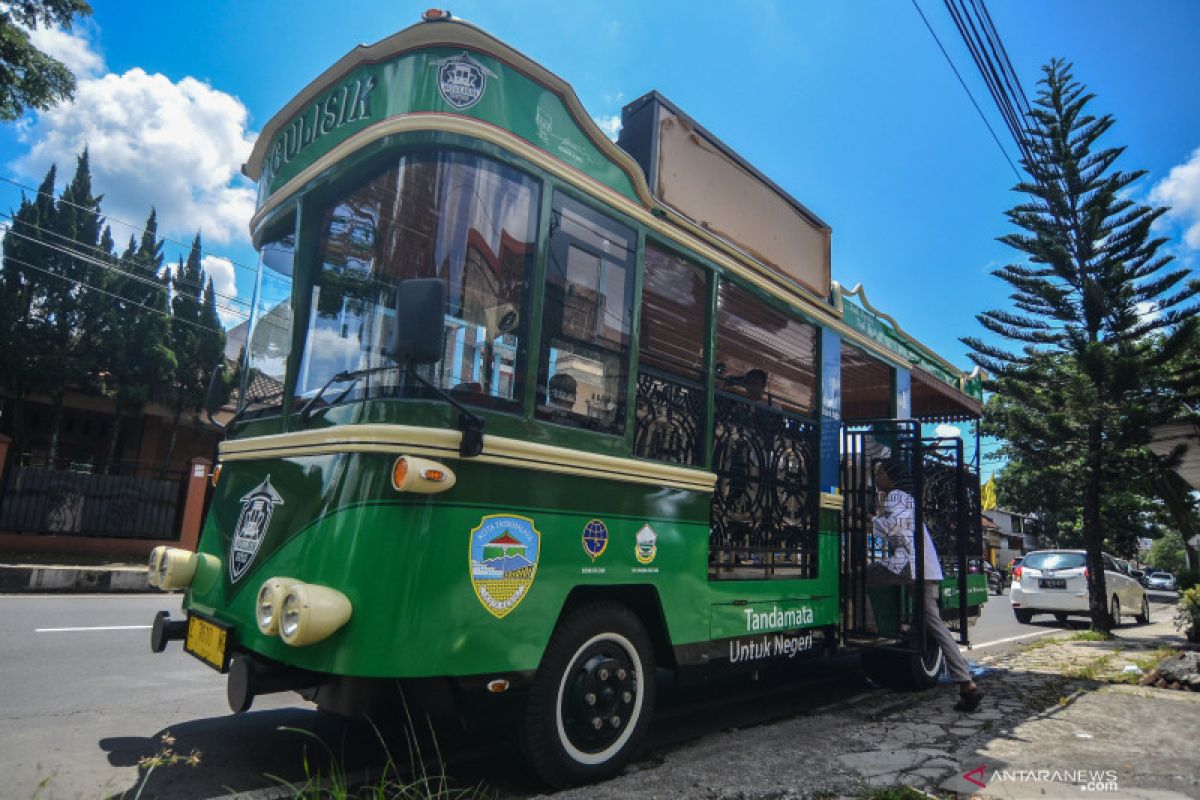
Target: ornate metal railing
x=670, y=419
x=37, y=497
x=764, y=513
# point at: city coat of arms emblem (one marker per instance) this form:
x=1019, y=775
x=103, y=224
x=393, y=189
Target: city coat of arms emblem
x=462, y=80
x=504, y=559
x=252, y=524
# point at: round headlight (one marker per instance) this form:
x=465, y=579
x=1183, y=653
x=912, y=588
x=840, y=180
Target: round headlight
x=289, y=623
x=266, y=609
x=267, y=605
x=312, y=613
x=152, y=568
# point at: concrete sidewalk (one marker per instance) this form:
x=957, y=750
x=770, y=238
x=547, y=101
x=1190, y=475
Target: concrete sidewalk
x=1062, y=717
x=21, y=574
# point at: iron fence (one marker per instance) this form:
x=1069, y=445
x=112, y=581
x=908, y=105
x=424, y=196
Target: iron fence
x=131, y=500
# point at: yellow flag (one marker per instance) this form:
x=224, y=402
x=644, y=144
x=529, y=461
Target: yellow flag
x=988, y=498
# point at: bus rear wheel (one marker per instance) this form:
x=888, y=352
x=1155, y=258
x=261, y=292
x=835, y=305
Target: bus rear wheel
x=592, y=698
x=905, y=670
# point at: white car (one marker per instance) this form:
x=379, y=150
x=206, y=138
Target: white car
x=1055, y=582
x=1161, y=580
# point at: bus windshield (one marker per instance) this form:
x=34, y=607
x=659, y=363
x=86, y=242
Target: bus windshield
x=468, y=220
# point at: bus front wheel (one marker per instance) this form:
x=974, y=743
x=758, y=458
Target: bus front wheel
x=591, y=700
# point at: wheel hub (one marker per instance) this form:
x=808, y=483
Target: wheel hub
x=599, y=699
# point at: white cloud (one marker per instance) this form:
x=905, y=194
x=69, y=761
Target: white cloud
x=221, y=271
x=72, y=49
x=611, y=125
x=1181, y=191
x=1148, y=311
x=175, y=146
x=947, y=431
x=233, y=311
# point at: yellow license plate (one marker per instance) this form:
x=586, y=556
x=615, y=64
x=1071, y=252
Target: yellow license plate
x=208, y=642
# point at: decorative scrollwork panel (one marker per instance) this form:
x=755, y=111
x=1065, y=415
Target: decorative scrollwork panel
x=764, y=508
x=669, y=420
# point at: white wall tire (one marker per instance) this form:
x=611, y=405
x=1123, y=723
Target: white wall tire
x=592, y=698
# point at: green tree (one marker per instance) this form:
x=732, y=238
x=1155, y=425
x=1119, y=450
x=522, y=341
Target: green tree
x=28, y=77
x=140, y=361
x=186, y=288
x=197, y=339
x=72, y=306
x=1098, y=317
x=1167, y=553
x=212, y=339
x=24, y=281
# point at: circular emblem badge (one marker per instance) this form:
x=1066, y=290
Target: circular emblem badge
x=462, y=80
x=595, y=538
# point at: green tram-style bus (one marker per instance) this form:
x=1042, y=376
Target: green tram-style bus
x=529, y=418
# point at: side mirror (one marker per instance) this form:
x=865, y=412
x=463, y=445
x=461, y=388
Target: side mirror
x=216, y=390
x=215, y=393
x=420, y=329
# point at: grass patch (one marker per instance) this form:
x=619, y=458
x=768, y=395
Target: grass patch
x=1091, y=636
x=390, y=784
x=1147, y=663
x=1038, y=644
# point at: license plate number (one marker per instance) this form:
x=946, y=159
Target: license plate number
x=208, y=641
x=1052, y=583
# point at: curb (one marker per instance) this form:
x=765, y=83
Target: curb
x=37, y=579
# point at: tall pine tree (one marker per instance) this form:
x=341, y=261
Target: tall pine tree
x=1098, y=315
x=26, y=281
x=195, y=334
x=141, y=361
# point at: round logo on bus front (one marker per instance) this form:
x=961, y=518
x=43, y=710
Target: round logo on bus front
x=462, y=80
x=504, y=559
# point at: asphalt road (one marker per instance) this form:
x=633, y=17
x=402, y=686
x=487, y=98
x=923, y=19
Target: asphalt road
x=999, y=626
x=83, y=700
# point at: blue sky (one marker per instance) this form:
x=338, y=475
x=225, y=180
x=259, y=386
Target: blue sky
x=848, y=106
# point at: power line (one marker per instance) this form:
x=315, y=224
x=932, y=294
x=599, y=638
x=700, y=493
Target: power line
x=160, y=312
x=995, y=68
x=108, y=218
x=102, y=252
x=95, y=262
x=963, y=83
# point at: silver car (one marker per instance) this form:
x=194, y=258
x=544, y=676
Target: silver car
x=1161, y=580
x=1055, y=582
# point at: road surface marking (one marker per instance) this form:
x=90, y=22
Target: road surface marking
x=97, y=628
x=1012, y=639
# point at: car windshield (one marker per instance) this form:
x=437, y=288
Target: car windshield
x=1054, y=560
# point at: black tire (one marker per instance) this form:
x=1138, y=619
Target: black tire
x=925, y=669
x=1144, y=617
x=1114, y=609
x=903, y=670
x=1060, y=617
x=1023, y=615
x=599, y=666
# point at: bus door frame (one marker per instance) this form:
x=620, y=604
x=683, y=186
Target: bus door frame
x=859, y=501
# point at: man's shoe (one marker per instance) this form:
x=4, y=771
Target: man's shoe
x=969, y=701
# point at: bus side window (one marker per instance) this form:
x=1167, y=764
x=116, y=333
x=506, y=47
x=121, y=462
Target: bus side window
x=765, y=441
x=670, y=387
x=584, y=363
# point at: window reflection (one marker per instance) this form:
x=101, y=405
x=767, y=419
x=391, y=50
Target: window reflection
x=584, y=367
x=459, y=217
x=270, y=325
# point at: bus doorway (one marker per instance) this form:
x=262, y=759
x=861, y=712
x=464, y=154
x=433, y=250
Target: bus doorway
x=878, y=614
